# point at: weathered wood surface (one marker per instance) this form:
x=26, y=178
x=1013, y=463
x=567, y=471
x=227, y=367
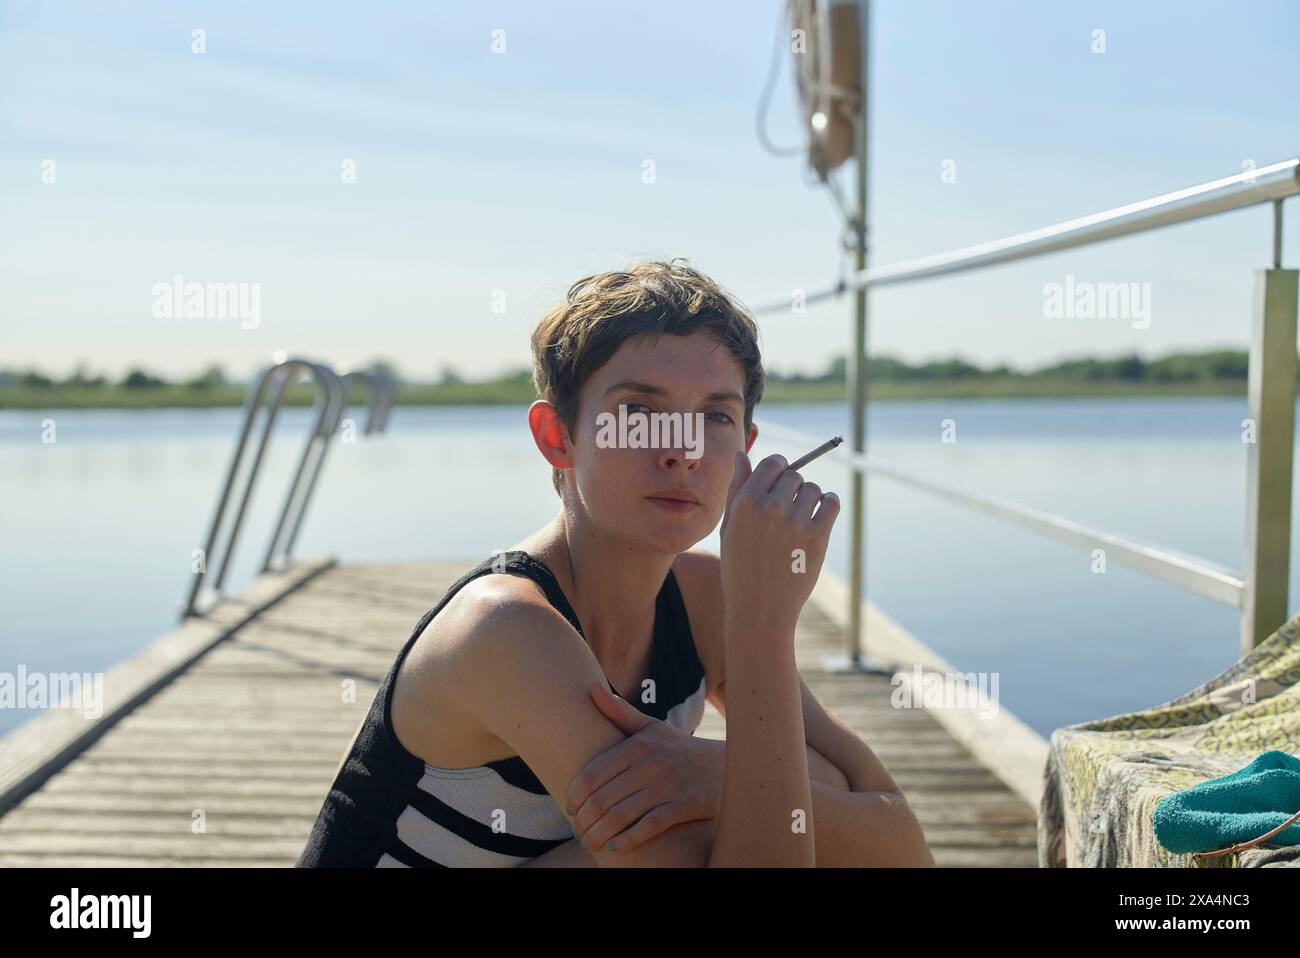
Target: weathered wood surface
x=248, y=736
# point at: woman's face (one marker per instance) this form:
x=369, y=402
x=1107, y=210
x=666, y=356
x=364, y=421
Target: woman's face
x=694, y=376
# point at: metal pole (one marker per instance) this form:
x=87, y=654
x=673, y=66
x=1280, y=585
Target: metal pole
x=1277, y=234
x=1271, y=395
x=857, y=368
x=854, y=660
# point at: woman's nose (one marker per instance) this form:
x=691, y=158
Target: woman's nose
x=675, y=458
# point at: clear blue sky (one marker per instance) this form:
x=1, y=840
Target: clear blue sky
x=522, y=172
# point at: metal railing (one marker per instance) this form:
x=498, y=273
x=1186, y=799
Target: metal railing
x=333, y=392
x=1260, y=591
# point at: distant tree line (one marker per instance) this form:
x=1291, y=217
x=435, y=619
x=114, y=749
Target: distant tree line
x=212, y=377
x=133, y=379
x=1216, y=365
x=1222, y=364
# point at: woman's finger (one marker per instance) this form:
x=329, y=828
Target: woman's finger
x=767, y=472
x=620, y=817
x=597, y=773
x=806, y=499
x=601, y=800
x=655, y=822
x=740, y=474
x=787, y=485
x=624, y=714
x=826, y=513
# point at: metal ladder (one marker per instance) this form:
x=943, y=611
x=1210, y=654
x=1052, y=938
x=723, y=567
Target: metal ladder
x=333, y=391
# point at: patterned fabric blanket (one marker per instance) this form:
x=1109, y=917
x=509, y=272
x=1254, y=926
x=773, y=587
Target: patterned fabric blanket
x=1104, y=778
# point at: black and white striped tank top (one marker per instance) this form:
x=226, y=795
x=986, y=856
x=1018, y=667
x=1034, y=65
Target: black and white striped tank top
x=388, y=808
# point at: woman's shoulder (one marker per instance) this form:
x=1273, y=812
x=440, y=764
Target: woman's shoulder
x=698, y=561
x=699, y=577
x=473, y=622
x=441, y=682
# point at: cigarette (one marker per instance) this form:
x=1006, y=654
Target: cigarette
x=817, y=453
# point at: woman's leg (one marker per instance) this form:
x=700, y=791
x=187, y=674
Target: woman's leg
x=821, y=769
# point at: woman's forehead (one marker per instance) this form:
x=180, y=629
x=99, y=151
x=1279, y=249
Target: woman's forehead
x=698, y=362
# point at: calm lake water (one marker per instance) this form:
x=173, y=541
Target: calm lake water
x=99, y=527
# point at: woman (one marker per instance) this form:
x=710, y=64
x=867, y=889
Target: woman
x=493, y=740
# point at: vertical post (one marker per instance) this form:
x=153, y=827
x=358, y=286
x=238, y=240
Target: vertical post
x=857, y=364
x=1271, y=396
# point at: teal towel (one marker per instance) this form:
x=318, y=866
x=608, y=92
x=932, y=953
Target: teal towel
x=1234, y=808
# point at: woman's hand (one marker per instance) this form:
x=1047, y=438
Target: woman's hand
x=657, y=778
x=774, y=538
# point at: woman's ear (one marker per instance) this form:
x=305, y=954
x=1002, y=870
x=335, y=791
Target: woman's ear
x=549, y=434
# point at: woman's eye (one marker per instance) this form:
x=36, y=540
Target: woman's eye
x=633, y=406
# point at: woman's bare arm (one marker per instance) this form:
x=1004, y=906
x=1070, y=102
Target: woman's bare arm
x=766, y=818
x=524, y=675
x=822, y=774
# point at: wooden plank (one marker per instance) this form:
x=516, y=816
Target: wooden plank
x=305, y=806
x=199, y=790
x=985, y=857
x=38, y=821
x=968, y=836
x=202, y=771
x=274, y=750
x=86, y=860
x=38, y=747
x=181, y=845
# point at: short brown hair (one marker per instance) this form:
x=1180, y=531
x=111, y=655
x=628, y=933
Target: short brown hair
x=600, y=312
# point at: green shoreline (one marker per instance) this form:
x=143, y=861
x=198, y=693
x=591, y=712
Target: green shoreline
x=515, y=393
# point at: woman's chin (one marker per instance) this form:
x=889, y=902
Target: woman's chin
x=671, y=540
x=682, y=543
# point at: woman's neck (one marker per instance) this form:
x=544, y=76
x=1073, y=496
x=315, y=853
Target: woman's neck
x=611, y=585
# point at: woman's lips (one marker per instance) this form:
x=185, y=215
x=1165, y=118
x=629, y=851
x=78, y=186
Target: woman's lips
x=673, y=505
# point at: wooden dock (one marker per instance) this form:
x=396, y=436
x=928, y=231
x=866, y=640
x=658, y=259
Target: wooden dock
x=216, y=746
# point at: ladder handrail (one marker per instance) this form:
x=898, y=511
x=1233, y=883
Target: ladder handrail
x=282, y=374
x=332, y=396
x=312, y=452
x=252, y=402
x=381, y=393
